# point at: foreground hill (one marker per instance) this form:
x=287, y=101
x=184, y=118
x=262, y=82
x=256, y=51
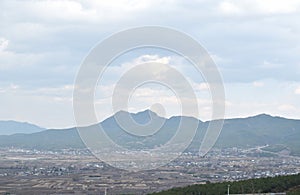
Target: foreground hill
x=13, y=127
x=280, y=134
x=289, y=184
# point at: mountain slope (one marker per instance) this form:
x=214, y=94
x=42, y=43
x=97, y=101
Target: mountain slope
x=241, y=133
x=45, y=140
x=278, y=184
x=13, y=127
x=261, y=130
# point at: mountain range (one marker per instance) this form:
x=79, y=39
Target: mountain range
x=12, y=127
x=276, y=132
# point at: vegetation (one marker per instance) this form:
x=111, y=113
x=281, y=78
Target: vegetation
x=289, y=184
x=275, y=148
x=282, y=135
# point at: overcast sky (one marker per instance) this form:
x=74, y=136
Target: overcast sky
x=255, y=44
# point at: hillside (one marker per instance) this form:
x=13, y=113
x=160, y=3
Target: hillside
x=279, y=133
x=45, y=140
x=289, y=184
x=13, y=127
x=261, y=130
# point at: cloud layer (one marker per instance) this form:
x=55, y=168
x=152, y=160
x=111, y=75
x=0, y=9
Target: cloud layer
x=256, y=45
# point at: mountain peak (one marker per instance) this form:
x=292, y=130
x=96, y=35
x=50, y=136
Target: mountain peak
x=147, y=111
x=121, y=112
x=141, y=117
x=263, y=115
x=142, y=113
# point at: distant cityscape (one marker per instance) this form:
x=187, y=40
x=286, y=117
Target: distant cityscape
x=77, y=171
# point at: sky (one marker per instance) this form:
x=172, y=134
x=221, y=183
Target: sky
x=254, y=43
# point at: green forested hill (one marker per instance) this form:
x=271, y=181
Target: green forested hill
x=289, y=184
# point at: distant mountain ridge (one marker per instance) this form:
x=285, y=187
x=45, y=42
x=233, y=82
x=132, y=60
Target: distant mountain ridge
x=277, y=132
x=11, y=127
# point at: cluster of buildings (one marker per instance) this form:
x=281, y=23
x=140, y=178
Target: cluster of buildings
x=71, y=171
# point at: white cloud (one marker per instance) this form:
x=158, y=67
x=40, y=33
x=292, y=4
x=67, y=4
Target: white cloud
x=286, y=107
x=297, y=91
x=43, y=42
x=258, y=84
x=200, y=86
x=65, y=90
x=270, y=65
x=3, y=44
x=276, y=6
x=153, y=58
x=252, y=7
x=14, y=87
x=14, y=60
x=218, y=59
x=82, y=11
x=45, y=110
x=10, y=88
x=148, y=94
x=227, y=7
x=142, y=59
